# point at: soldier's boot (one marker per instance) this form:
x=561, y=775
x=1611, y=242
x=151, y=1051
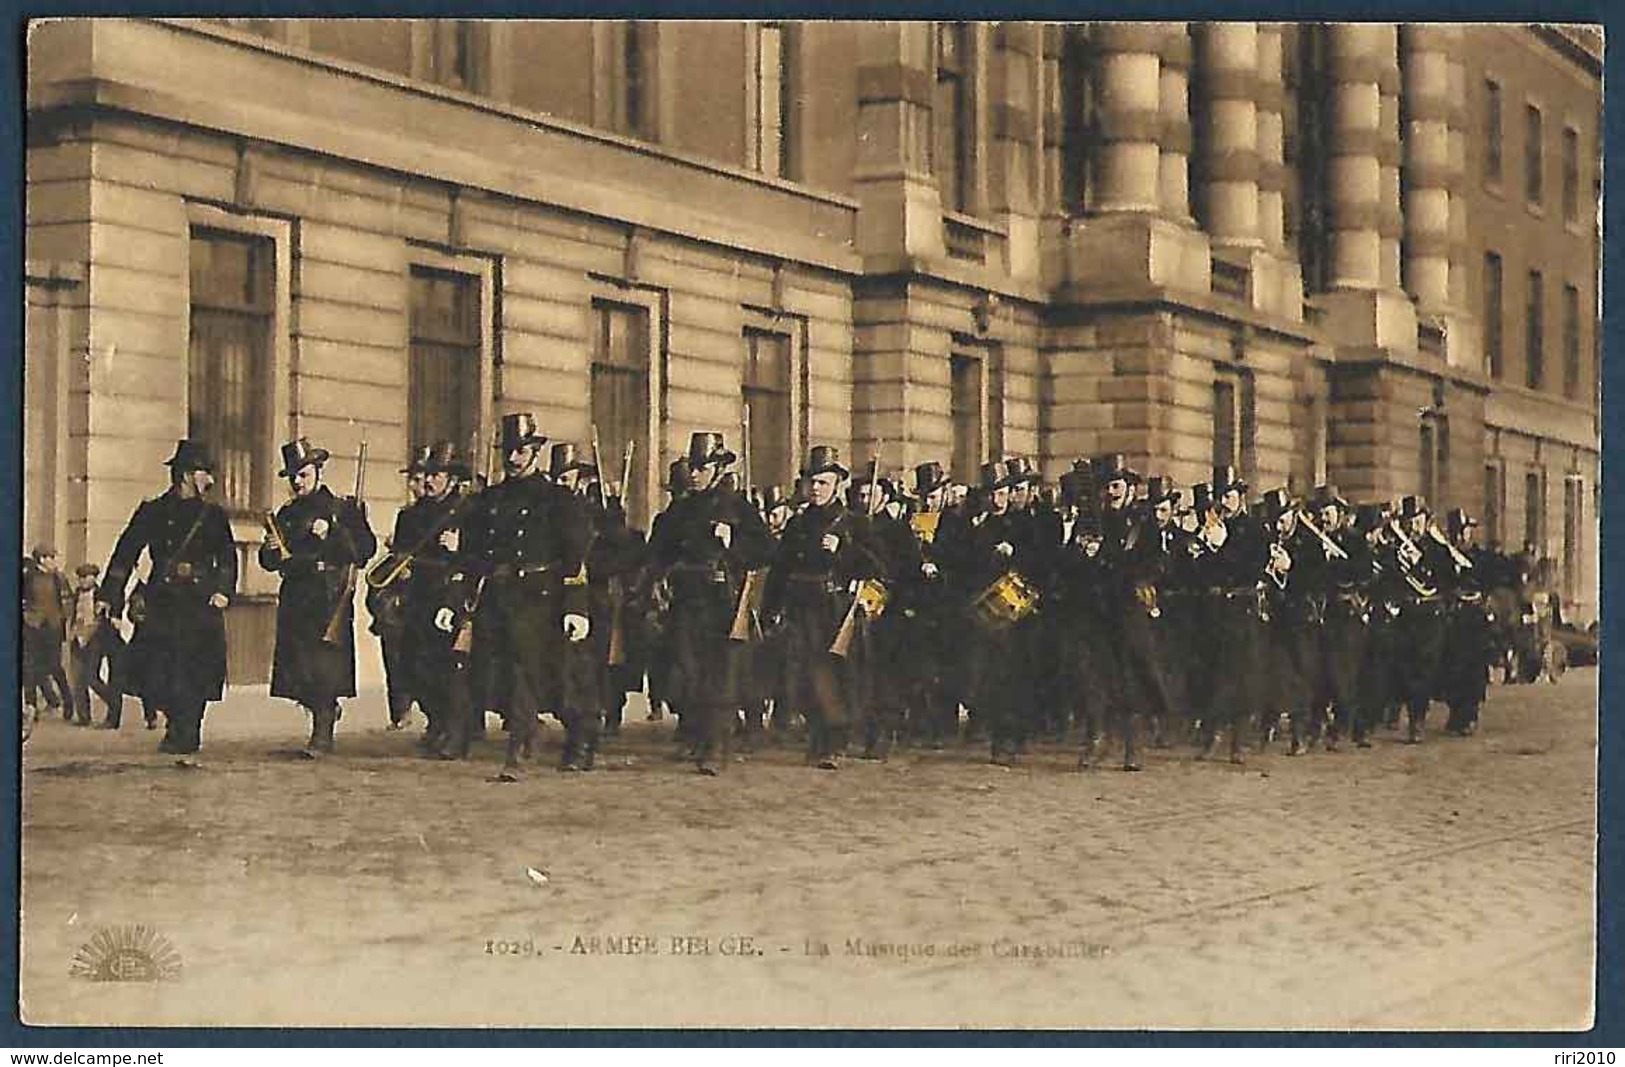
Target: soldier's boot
x=1415, y=726
x=1131, y=744
x=1296, y=746
x=1089, y=752
x=1238, y=743
x=1159, y=737
x=323, y=722
x=834, y=740
x=1209, y=738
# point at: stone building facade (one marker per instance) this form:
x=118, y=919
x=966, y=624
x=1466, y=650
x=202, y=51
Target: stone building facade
x=1358, y=253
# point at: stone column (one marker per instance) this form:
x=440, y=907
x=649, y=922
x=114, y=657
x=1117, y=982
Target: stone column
x=1354, y=177
x=1128, y=158
x=1173, y=172
x=1017, y=69
x=1365, y=306
x=900, y=208
x=1427, y=167
x=1228, y=55
x=1390, y=217
x=1271, y=138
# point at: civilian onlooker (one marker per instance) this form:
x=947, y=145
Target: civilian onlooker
x=46, y=603
x=95, y=642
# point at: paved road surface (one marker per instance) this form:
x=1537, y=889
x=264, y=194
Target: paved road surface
x=1448, y=885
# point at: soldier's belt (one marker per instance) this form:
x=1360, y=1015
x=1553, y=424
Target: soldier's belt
x=508, y=570
x=1226, y=593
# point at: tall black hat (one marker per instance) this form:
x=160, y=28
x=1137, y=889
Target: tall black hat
x=1412, y=506
x=1160, y=488
x=772, y=497
x=677, y=474
x=1202, y=499
x=821, y=459
x=442, y=457
x=190, y=455
x=1078, y=485
x=566, y=457
x=1273, y=504
x=1457, y=520
x=1022, y=469
x=298, y=454
x=996, y=475
x=1111, y=466
x=518, y=430
x=706, y=448
x=1327, y=496
x=1226, y=478
x=929, y=477
x=420, y=456
x=1368, y=517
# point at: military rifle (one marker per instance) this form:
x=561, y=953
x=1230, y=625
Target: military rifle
x=336, y=622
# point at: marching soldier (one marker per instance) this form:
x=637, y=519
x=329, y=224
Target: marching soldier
x=654, y=600
x=1464, y=667
x=702, y=548
x=179, y=653
x=890, y=645
x=1235, y=555
x=1080, y=589
x=316, y=542
x=999, y=552
x=813, y=592
x=1289, y=645
x=1377, y=691
x=584, y=692
x=1343, y=560
x=1426, y=568
x=524, y=540
x=1133, y=549
x=437, y=595
x=387, y=606
x=937, y=664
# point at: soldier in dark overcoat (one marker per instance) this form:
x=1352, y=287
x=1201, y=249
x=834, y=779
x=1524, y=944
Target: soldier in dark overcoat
x=1346, y=632
x=387, y=605
x=1464, y=665
x=526, y=540
x=1080, y=607
x=811, y=591
x=1235, y=559
x=653, y=600
x=890, y=641
x=701, y=549
x=437, y=595
x=179, y=664
x=1427, y=570
x=936, y=663
x=317, y=542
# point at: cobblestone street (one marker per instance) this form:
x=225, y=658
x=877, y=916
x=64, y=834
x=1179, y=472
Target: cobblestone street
x=1449, y=885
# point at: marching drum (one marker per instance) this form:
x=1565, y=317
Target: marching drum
x=1006, y=602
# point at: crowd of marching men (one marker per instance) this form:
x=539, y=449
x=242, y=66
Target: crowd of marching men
x=857, y=610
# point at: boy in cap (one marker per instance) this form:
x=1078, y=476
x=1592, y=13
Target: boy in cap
x=95, y=643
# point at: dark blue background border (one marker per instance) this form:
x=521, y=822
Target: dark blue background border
x=1610, y=1015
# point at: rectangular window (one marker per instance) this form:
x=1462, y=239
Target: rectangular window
x=1534, y=514
x=1494, y=503
x=1492, y=131
x=455, y=54
x=775, y=99
x=1428, y=483
x=1573, y=501
x=1535, y=332
x=970, y=439
x=443, y=376
x=951, y=116
x=1534, y=157
x=228, y=365
x=1226, y=428
x=1571, y=175
x=621, y=399
x=1493, y=357
x=634, y=82
x=1571, y=342
x=767, y=387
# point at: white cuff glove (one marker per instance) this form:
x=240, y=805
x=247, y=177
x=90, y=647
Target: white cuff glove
x=576, y=627
x=443, y=620
x=929, y=570
x=831, y=543
x=725, y=534
x=1005, y=549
